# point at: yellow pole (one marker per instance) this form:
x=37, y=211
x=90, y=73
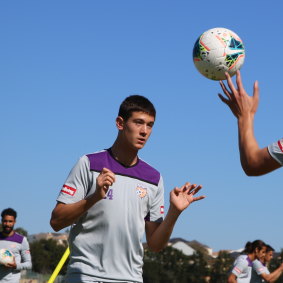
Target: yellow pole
x=59, y=266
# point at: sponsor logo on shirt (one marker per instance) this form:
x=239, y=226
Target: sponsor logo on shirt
x=237, y=270
x=162, y=209
x=280, y=144
x=68, y=190
x=141, y=192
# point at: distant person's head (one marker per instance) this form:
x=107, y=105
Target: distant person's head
x=135, y=120
x=9, y=216
x=255, y=249
x=268, y=254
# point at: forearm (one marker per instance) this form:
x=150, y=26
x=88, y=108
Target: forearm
x=272, y=277
x=248, y=146
x=160, y=237
x=24, y=265
x=65, y=215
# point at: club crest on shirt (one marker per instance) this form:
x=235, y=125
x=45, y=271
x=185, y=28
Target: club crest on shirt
x=141, y=192
x=280, y=144
x=68, y=190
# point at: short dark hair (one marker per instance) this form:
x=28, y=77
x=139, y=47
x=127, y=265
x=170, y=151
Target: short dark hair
x=136, y=103
x=269, y=249
x=252, y=246
x=9, y=211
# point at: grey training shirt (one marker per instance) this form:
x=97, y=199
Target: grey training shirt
x=106, y=242
x=19, y=246
x=242, y=269
x=258, y=269
x=276, y=151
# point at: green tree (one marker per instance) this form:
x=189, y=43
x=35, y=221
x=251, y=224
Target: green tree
x=221, y=267
x=46, y=254
x=274, y=263
x=167, y=266
x=197, y=268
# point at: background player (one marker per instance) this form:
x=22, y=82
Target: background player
x=113, y=197
x=17, y=244
x=255, y=160
x=242, y=269
x=260, y=271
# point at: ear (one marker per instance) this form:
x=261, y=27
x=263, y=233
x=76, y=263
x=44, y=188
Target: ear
x=120, y=123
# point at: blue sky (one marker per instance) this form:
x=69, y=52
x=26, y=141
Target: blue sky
x=65, y=66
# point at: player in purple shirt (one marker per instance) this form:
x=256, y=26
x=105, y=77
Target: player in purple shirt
x=242, y=269
x=112, y=197
x=255, y=160
x=15, y=243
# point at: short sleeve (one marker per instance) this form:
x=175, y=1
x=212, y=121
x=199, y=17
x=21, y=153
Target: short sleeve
x=156, y=212
x=276, y=151
x=258, y=267
x=77, y=183
x=240, y=266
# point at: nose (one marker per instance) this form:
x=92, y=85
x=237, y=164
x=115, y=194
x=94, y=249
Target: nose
x=144, y=130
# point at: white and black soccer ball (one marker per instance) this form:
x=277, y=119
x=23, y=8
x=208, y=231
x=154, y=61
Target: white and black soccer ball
x=6, y=257
x=216, y=51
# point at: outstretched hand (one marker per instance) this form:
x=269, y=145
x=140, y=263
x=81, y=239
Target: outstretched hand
x=240, y=103
x=182, y=197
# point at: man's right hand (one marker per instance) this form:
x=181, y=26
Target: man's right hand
x=105, y=179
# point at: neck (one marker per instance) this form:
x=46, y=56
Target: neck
x=8, y=234
x=251, y=257
x=124, y=155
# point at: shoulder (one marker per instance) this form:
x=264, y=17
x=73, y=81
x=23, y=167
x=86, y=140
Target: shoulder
x=96, y=159
x=16, y=238
x=148, y=172
x=243, y=259
x=257, y=263
x=89, y=160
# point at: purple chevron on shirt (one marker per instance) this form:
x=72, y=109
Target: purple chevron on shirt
x=17, y=238
x=141, y=170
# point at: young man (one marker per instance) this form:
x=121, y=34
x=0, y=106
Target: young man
x=260, y=271
x=255, y=160
x=242, y=268
x=15, y=243
x=111, y=197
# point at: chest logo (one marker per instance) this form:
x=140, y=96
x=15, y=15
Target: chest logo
x=141, y=192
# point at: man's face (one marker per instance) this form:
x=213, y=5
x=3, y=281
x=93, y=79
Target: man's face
x=268, y=256
x=137, y=129
x=8, y=223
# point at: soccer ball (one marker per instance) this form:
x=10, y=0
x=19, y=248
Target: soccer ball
x=6, y=256
x=217, y=51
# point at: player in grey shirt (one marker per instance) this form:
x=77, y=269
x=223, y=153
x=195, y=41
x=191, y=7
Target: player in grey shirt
x=242, y=268
x=255, y=160
x=112, y=197
x=15, y=243
x=260, y=272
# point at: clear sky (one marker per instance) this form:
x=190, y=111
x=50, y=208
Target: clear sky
x=65, y=67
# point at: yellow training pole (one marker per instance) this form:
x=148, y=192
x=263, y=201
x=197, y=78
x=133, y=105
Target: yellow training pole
x=59, y=266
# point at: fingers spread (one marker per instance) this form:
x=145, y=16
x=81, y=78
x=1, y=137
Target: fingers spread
x=198, y=198
x=230, y=83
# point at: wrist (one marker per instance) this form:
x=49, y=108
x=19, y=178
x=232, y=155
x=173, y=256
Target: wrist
x=247, y=118
x=173, y=211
